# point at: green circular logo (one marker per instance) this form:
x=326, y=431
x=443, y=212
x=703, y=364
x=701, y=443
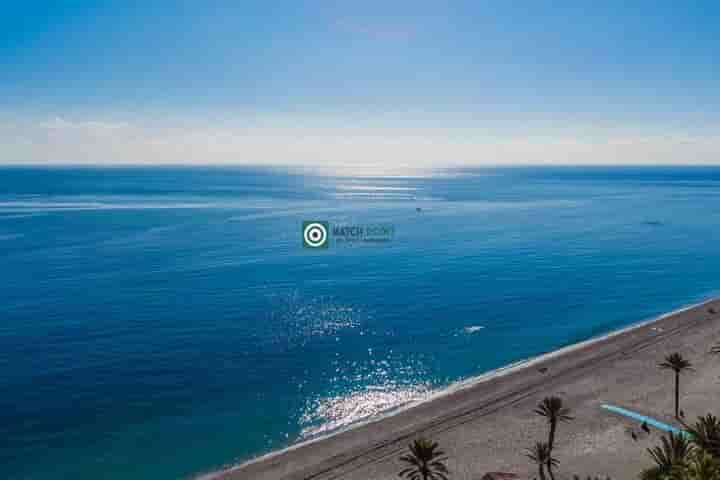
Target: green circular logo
x=315, y=234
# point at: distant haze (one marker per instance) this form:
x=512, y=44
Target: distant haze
x=331, y=147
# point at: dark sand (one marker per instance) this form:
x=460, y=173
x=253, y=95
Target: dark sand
x=488, y=425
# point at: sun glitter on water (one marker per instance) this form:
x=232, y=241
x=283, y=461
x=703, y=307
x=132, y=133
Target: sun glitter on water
x=333, y=413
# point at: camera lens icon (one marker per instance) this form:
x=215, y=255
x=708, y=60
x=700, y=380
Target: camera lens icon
x=315, y=234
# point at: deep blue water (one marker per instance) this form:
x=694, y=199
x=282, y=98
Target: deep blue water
x=161, y=322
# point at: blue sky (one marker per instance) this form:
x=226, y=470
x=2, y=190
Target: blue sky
x=432, y=84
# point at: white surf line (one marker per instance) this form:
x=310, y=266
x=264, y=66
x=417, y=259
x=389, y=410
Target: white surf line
x=458, y=386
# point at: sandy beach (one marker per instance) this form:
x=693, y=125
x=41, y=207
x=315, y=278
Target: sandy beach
x=487, y=425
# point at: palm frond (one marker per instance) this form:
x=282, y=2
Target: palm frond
x=652, y=473
x=705, y=434
x=426, y=459
x=672, y=454
x=676, y=363
x=553, y=409
x=540, y=454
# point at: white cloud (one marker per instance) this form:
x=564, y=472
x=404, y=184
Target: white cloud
x=335, y=145
x=89, y=127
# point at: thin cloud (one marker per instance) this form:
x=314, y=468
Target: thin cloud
x=89, y=126
x=346, y=151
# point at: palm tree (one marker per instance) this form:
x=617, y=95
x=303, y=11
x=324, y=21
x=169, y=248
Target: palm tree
x=702, y=466
x=705, y=434
x=554, y=412
x=540, y=454
x=677, y=364
x=425, y=461
x=670, y=457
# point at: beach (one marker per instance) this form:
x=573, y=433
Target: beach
x=486, y=425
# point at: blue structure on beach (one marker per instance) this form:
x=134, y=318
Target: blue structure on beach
x=642, y=418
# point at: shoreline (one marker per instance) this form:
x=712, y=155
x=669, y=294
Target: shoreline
x=443, y=394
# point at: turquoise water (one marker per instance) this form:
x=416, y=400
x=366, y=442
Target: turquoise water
x=161, y=322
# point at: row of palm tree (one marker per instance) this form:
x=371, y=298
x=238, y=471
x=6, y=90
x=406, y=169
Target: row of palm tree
x=554, y=413
x=691, y=456
x=695, y=456
x=425, y=460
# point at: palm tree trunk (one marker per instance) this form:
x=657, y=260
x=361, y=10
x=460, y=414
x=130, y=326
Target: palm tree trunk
x=551, y=440
x=551, y=436
x=541, y=470
x=677, y=394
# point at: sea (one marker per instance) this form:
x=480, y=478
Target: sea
x=162, y=322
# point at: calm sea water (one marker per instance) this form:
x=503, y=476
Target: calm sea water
x=158, y=323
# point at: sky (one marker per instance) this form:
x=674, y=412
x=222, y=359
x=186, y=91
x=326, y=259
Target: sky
x=372, y=85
